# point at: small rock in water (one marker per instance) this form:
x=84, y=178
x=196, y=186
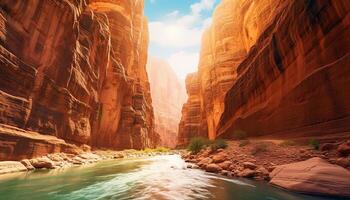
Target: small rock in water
x=43, y=162
x=247, y=173
x=27, y=164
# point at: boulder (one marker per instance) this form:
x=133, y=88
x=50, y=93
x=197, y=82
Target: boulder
x=192, y=166
x=11, y=166
x=43, y=162
x=118, y=155
x=214, y=168
x=27, y=164
x=344, y=162
x=220, y=157
x=225, y=165
x=313, y=176
x=205, y=161
x=247, y=173
x=226, y=173
x=249, y=165
x=344, y=149
x=328, y=146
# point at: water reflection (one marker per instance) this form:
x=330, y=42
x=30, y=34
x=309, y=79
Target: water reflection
x=162, y=177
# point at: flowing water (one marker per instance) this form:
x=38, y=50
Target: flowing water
x=161, y=177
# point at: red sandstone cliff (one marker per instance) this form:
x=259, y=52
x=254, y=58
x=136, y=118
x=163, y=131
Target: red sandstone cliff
x=168, y=95
x=271, y=67
x=73, y=72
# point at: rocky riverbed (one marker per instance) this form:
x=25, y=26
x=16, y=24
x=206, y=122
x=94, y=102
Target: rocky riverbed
x=295, y=167
x=66, y=160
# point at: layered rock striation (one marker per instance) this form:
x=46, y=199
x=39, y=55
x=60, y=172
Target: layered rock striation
x=168, y=96
x=73, y=72
x=294, y=82
x=271, y=67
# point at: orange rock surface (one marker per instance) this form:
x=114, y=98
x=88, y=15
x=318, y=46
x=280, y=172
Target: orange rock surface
x=313, y=176
x=168, y=96
x=75, y=71
x=294, y=82
x=263, y=68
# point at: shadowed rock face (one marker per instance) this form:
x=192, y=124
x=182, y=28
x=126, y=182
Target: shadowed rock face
x=272, y=67
x=76, y=71
x=168, y=95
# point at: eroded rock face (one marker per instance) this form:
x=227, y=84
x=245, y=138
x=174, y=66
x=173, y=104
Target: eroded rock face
x=191, y=121
x=273, y=68
x=294, y=81
x=224, y=45
x=168, y=96
x=74, y=70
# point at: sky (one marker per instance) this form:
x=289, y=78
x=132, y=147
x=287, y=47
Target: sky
x=176, y=28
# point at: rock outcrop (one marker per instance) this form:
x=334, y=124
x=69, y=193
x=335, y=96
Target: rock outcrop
x=313, y=176
x=73, y=71
x=191, y=121
x=11, y=166
x=294, y=81
x=273, y=67
x=168, y=96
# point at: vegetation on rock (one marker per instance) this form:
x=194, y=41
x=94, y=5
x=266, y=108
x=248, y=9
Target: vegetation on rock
x=315, y=144
x=198, y=143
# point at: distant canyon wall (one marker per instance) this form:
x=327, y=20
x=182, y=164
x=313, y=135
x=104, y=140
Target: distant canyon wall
x=73, y=72
x=271, y=67
x=168, y=95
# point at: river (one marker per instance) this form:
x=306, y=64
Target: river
x=160, y=177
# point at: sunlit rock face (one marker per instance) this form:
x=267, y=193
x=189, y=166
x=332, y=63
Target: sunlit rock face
x=255, y=69
x=294, y=82
x=225, y=44
x=191, y=121
x=73, y=71
x=168, y=96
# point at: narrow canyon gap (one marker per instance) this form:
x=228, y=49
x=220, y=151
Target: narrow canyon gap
x=269, y=104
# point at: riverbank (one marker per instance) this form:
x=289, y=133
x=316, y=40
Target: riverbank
x=66, y=160
x=300, y=168
x=157, y=177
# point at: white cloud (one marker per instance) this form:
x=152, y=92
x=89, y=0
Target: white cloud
x=180, y=34
x=173, y=14
x=202, y=5
x=183, y=63
x=174, y=35
x=181, y=31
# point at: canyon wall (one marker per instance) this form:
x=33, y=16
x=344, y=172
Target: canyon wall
x=272, y=67
x=168, y=95
x=73, y=74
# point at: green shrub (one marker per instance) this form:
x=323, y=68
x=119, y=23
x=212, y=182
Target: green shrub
x=239, y=135
x=258, y=148
x=243, y=143
x=218, y=144
x=287, y=143
x=197, y=143
x=315, y=144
